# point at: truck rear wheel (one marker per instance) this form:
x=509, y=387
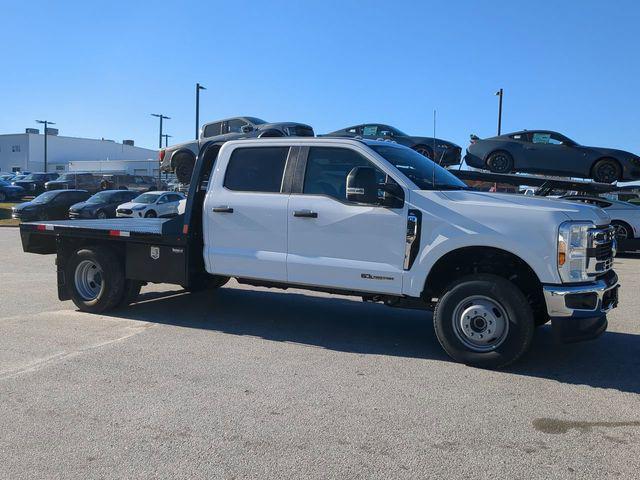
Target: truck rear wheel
x=183, y=166
x=131, y=291
x=484, y=321
x=95, y=279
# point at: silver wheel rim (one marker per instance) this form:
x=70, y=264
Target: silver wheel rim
x=621, y=232
x=102, y=215
x=480, y=323
x=88, y=280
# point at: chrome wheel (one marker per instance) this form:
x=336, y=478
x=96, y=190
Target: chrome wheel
x=88, y=280
x=425, y=152
x=480, y=323
x=621, y=231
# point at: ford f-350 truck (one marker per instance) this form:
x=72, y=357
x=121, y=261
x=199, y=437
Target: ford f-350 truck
x=366, y=218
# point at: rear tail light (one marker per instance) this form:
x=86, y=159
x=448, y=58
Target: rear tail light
x=161, y=155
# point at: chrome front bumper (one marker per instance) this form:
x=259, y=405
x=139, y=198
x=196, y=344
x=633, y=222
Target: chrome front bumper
x=555, y=297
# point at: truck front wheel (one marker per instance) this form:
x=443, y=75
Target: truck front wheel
x=95, y=280
x=484, y=321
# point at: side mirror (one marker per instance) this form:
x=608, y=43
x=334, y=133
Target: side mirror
x=393, y=195
x=246, y=128
x=362, y=186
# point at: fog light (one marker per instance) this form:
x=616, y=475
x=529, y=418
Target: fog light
x=581, y=301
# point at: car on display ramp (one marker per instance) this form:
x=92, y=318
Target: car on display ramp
x=548, y=152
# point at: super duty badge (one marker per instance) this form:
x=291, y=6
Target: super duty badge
x=368, y=276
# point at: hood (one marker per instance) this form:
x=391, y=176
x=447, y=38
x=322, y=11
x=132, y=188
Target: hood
x=131, y=205
x=438, y=141
x=81, y=205
x=512, y=207
x=27, y=206
x=613, y=152
x=264, y=126
x=14, y=188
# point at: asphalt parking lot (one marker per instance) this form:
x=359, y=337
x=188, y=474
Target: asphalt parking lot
x=257, y=383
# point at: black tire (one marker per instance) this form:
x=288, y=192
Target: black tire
x=606, y=170
x=131, y=292
x=424, y=150
x=623, y=230
x=518, y=324
x=207, y=282
x=150, y=214
x=3, y=196
x=101, y=215
x=111, y=279
x=500, y=162
x=183, y=167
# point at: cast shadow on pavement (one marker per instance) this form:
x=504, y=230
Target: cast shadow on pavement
x=349, y=325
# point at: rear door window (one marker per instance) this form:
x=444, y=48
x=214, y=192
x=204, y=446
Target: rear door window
x=258, y=169
x=213, y=129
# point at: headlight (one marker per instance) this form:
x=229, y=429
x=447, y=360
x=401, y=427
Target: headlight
x=573, y=239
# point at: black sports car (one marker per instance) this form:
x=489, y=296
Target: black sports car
x=547, y=152
x=52, y=205
x=102, y=204
x=441, y=151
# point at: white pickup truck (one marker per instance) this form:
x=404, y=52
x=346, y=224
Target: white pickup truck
x=366, y=218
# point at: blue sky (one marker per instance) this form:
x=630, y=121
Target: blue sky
x=98, y=69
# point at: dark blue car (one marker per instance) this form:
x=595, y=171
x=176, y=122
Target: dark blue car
x=10, y=192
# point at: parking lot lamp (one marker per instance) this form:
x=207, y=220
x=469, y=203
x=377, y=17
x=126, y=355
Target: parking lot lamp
x=198, y=88
x=161, y=117
x=45, y=123
x=499, y=94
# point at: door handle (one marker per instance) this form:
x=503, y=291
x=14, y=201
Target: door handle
x=305, y=214
x=222, y=210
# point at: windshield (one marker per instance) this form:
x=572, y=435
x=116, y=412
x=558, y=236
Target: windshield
x=102, y=197
x=146, y=198
x=419, y=169
x=44, y=198
x=66, y=177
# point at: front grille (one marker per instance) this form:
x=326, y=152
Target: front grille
x=125, y=211
x=600, y=251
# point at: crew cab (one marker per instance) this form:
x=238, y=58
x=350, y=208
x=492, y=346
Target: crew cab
x=181, y=158
x=371, y=219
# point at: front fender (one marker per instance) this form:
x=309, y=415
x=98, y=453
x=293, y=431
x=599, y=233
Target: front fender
x=445, y=229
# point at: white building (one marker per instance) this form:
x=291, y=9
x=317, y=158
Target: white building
x=132, y=167
x=25, y=151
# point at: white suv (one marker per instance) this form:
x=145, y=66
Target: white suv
x=151, y=205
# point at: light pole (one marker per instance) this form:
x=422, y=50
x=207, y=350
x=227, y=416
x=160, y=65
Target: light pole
x=166, y=139
x=499, y=94
x=198, y=88
x=45, y=123
x=161, y=117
